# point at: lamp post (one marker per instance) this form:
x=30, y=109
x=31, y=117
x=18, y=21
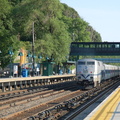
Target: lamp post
x=10, y=52
x=20, y=54
x=39, y=57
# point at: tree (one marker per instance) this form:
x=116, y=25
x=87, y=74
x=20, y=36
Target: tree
x=52, y=37
x=95, y=36
x=56, y=25
x=76, y=26
x=7, y=37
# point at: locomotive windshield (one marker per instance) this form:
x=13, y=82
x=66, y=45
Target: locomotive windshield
x=91, y=63
x=81, y=63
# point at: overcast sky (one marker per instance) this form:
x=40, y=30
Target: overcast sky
x=102, y=15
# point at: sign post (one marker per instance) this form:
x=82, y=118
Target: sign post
x=15, y=70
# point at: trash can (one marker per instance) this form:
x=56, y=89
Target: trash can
x=69, y=71
x=60, y=72
x=25, y=73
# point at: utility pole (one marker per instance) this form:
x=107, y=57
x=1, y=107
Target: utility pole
x=33, y=50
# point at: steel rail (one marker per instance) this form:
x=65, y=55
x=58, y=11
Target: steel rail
x=86, y=105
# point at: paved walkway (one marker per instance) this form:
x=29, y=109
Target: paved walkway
x=109, y=109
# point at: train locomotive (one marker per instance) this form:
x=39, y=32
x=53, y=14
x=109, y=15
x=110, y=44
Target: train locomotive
x=93, y=72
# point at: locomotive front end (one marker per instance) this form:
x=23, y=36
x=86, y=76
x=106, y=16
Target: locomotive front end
x=85, y=72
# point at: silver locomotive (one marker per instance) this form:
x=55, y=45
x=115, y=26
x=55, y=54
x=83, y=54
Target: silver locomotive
x=93, y=72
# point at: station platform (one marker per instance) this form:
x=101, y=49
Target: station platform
x=9, y=84
x=109, y=109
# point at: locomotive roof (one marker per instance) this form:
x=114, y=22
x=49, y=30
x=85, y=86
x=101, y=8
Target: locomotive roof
x=87, y=59
x=98, y=61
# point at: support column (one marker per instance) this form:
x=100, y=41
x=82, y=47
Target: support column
x=10, y=86
x=34, y=83
x=15, y=85
x=25, y=84
x=31, y=83
x=3, y=88
x=21, y=85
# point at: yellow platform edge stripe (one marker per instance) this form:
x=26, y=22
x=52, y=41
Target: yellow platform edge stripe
x=106, y=110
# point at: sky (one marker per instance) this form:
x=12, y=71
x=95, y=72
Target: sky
x=102, y=15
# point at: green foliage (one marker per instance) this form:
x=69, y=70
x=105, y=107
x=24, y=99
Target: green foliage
x=76, y=26
x=95, y=36
x=56, y=25
x=52, y=37
x=7, y=37
x=14, y=2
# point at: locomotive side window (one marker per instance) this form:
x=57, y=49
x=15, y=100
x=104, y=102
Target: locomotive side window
x=81, y=63
x=90, y=63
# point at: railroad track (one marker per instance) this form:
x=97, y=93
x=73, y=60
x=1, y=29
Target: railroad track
x=77, y=111
x=36, y=99
x=27, y=98
x=18, y=93
x=66, y=107
x=50, y=105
